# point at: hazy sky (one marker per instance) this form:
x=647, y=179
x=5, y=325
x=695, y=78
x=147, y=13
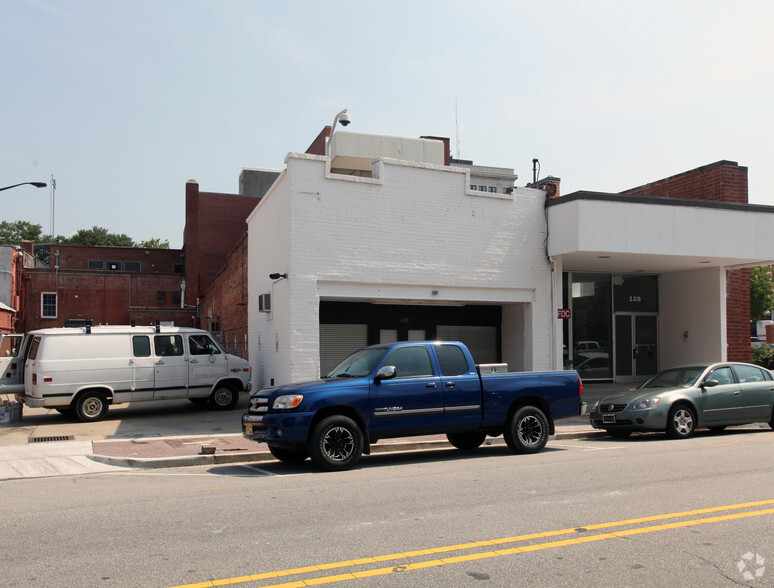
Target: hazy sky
x=123, y=102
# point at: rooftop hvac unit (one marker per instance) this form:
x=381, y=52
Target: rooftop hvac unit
x=264, y=302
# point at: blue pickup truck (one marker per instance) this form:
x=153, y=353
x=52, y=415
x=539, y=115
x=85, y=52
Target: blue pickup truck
x=404, y=390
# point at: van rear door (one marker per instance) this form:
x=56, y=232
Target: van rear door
x=11, y=363
x=171, y=374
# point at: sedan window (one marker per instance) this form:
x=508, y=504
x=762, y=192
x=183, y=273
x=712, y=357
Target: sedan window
x=722, y=376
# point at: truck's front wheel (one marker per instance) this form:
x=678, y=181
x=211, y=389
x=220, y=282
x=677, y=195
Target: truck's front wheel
x=527, y=430
x=336, y=443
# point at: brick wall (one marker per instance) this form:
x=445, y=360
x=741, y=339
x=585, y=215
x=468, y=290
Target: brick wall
x=214, y=224
x=738, y=315
x=225, y=302
x=722, y=181
x=106, y=298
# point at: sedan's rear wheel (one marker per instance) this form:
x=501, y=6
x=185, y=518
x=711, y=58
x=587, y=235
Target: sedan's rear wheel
x=681, y=422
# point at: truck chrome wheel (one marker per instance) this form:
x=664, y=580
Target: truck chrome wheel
x=336, y=443
x=526, y=430
x=530, y=430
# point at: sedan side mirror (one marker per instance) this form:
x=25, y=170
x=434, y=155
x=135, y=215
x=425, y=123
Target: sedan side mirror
x=709, y=383
x=386, y=372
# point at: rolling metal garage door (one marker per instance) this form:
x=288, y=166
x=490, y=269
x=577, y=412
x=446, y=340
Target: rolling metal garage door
x=337, y=342
x=482, y=341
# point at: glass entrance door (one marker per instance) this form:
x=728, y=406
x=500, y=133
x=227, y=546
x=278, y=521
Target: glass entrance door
x=636, y=351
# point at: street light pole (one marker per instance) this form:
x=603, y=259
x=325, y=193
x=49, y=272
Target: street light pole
x=36, y=184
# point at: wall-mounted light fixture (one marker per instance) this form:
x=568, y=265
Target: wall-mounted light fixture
x=277, y=276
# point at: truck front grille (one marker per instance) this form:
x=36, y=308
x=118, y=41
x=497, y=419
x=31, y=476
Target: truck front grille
x=258, y=404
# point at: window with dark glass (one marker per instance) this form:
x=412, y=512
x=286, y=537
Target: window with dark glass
x=141, y=346
x=176, y=298
x=177, y=268
x=167, y=345
x=161, y=297
x=410, y=362
x=132, y=266
x=451, y=359
x=96, y=264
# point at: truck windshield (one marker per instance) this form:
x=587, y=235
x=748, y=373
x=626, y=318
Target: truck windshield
x=358, y=364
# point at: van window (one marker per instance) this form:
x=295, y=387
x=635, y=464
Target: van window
x=33, y=354
x=141, y=346
x=166, y=345
x=202, y=345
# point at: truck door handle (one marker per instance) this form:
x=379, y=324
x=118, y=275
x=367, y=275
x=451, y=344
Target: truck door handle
x=450, y=384
x=430, y=385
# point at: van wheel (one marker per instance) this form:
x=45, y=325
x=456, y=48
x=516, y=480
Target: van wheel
x=225, y=397
x=336, y=443
x=91, y=407
x=527, y=430
x=466, y=441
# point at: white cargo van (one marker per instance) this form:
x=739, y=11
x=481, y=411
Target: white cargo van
x=84, y=370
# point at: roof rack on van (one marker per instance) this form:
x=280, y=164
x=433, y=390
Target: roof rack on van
x=158, y=326
x=70, y=323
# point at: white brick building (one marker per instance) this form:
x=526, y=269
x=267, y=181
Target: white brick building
x=411, y=253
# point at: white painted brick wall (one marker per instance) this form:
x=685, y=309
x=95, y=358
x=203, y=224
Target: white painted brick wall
x=411, y=229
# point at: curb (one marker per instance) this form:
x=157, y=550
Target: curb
x=265, y=455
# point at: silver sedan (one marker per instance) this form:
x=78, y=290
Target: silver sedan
x=681, y=399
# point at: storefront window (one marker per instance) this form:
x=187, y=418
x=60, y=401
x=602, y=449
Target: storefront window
x=588, y=333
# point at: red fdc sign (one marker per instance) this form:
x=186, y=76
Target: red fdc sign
x=564, y=313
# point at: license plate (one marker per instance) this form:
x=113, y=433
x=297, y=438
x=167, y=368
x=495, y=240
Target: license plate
x=608, y=418
x=249, y=428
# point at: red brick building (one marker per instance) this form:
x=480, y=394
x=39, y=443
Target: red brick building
x=109, y=285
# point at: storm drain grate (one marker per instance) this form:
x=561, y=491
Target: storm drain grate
x=47, y=439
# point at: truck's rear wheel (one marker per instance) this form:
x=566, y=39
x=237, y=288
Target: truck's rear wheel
x=336, y=443
x=225, y=397
x=466, y=441
x=91, y=407
x=527, y=430
x=288, y=455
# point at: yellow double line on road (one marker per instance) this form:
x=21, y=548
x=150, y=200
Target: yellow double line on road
x=404, y=567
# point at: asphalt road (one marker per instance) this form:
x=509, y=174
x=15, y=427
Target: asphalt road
x=648, y=511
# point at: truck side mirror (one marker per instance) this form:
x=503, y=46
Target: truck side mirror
x=386, y=372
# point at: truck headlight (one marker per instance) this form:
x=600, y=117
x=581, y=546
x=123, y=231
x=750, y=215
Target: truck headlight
x=645, y=403
x=287, y=401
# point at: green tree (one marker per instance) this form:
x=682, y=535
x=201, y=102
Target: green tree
x=761, y=291
x=99, y=236
x=12, y=233
x=154, y=243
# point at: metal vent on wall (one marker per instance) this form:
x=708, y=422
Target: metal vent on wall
x=264, y=302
